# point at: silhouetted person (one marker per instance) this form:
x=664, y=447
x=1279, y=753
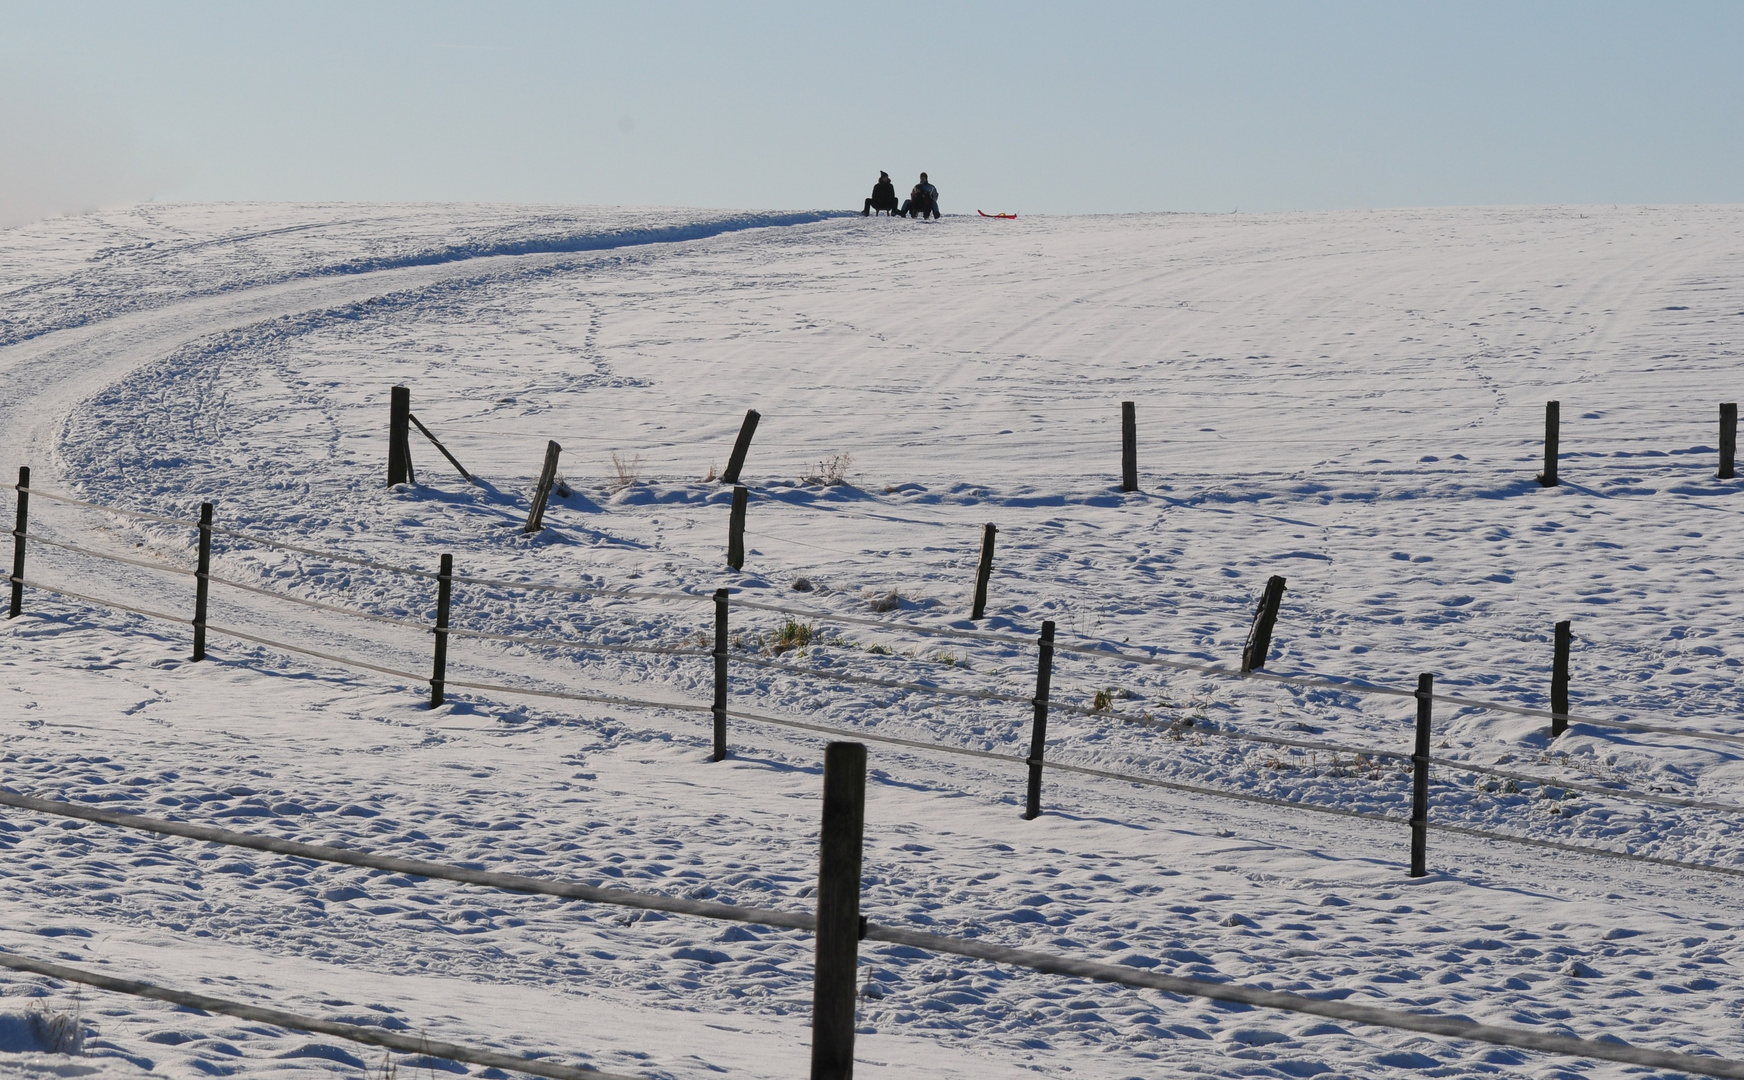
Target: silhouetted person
x=883, y=196
x=923, y=200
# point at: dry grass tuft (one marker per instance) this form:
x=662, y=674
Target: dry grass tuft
x=889, y=601
x=626, y=471
x=58, y=1031
x=831, y=471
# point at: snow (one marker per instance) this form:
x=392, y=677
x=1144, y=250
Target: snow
x=1352, y=400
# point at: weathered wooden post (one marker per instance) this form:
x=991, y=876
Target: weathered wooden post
x=202, y=580
x=983, y=571
x=736, y=529
x=1559, y=681
x=1038, y=736
x=444, y=595
x=399, y=437
x=1259, y=635
x=720, y=706
x=836, y=982
x=1420, y=778
x=18, y=535
x=542, y=493
x=1552, y=441
x=1728, y=439
x=1128, y=447
x=741, y=447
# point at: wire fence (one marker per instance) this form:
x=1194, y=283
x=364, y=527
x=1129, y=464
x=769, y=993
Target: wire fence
x=1046, y=963
x=357, y=1033
x=1036, y=760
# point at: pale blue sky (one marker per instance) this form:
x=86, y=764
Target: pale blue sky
x=1031, y=107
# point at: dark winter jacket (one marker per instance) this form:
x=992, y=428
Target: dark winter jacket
x=883, y=195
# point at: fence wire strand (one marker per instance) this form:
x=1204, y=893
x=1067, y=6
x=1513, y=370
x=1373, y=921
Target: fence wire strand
x=1581, y=849
x=316, y=653
x=1247, y=676
x=869, y=736
x=160, y=519
x=267, y=541
x=368, y=1036
x=571, y=695
x=579, y=590
x=1340, y=686
x=110, y=604
x=1047, y=963
x=1426, y=1023
x=319, y=606
x=75, y=549
x=578, y=646
x=913, y=744
x=893, y=684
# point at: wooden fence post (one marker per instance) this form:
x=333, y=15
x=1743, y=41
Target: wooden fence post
x=741, y=447
x=836, y=982
x=399, y=438
x=1420, y=778
x=444, y=596
x=1559, y=681
x=1128, y=447
x=202, y=580
x=984, y=571
x=736, y=529
x=1552, y=441
x=1038, y=738
x=1259, y=636
x=720, y=707
x=1728, y=439
x=18, y=534
x=547, y=477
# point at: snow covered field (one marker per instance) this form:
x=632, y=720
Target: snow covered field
x=1352, y=400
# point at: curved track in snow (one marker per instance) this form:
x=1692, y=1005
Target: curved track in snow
x=1295, y=374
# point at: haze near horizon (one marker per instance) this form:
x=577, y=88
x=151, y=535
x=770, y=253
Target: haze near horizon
x=1037, y=108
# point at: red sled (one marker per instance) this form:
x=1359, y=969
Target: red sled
x=1002, y=217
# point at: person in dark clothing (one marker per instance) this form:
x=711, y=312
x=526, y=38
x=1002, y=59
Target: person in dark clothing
x=923, y=200
x=883, y=196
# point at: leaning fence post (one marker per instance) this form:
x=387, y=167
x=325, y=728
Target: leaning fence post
x=1128, y=447
x=736, y=529
x=1559, y=681
x=984, y=571
x=1552, y=441
x=835, y=984
x=1420, y=778
x=741, y=447
x=18, y=534
x=399, y=438
x=444, y=596
x=542, y=493
x=202, y=580
x=720, y=707
x=1728, y=439
x=1038, y=739
x=1259, y=636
